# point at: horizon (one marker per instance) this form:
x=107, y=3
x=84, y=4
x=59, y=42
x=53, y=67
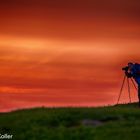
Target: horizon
x=65, y=53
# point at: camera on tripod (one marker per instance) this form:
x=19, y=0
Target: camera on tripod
x=127, y=76
x=125, y=68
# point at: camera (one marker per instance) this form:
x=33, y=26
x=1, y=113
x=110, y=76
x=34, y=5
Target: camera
x=125, y=68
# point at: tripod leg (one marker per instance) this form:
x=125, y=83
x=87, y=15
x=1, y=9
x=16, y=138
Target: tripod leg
x=129, y=90
x=137, y=89
x=134, y=84
x=121, y=89
x=139, y=94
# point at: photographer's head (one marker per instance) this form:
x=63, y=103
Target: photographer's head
x=130, y=65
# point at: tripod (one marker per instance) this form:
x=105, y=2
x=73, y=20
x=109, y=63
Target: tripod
x=128, y=85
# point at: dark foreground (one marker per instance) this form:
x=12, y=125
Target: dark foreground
x=106, y=123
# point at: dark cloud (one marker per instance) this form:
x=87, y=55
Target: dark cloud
x=70, y=10
x=40, y=83
x=70, y=19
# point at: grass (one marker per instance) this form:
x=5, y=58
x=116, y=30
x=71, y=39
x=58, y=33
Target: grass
x=107, y=123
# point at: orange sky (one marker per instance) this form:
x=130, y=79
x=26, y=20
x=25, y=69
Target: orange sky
x=66, y=53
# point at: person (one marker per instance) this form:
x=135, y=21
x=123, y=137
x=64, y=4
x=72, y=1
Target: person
x=133, y=71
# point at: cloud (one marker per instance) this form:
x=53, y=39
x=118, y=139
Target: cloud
x=71, y=20
x=69, y=51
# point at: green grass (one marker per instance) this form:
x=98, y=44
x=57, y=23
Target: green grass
x=111, y=123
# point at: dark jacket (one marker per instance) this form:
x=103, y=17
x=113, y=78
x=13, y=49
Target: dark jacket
x=135, y=73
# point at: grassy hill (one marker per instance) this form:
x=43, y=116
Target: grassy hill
x=103, y=123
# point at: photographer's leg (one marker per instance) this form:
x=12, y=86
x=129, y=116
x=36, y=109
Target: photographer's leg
x=139, y=94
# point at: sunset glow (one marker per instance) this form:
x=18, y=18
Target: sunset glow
x=66, y=53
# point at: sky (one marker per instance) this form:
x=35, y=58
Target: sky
x=66, y=53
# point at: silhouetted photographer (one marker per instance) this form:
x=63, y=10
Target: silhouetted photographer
x=133, y=71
